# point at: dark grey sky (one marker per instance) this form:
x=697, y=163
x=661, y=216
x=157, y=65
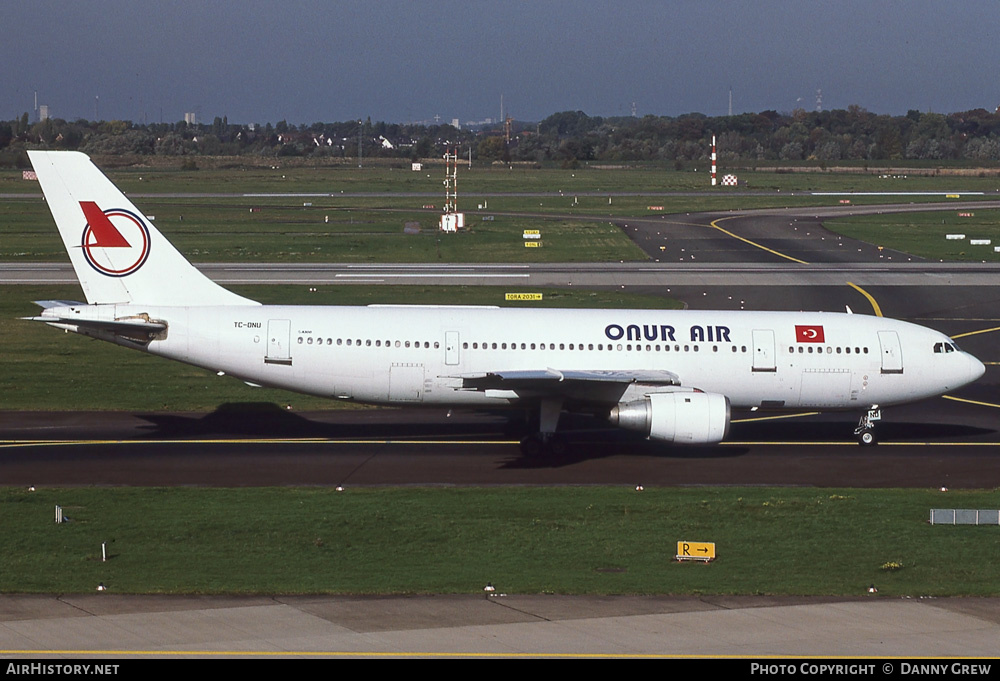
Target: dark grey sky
x=395, y=60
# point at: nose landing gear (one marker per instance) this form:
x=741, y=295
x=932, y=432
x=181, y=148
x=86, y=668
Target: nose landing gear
x=865, y=431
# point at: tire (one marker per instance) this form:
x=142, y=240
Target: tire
x=866, y=438
x=532, y=446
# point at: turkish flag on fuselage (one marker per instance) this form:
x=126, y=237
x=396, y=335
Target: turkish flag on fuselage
x=809, y=334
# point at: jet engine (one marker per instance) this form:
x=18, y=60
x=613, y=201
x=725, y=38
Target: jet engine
x=682, y=417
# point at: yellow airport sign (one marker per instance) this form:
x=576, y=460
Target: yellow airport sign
x=953, y=196
x=695, y=550
x=532, y=231
x=532, y=244
x=522, y=296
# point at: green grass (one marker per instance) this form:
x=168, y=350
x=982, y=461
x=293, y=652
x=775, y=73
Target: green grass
x=602, y=540
x=47, y=369
x=369, y=228
x=164, y=175
x=923, y=234
x=331, y=230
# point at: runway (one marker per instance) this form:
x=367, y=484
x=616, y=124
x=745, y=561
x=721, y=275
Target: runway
x=933, y=444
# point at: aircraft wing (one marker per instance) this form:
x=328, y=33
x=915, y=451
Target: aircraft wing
x=573, y=384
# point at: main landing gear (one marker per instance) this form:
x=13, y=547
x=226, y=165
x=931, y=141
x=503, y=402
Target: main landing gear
x=544, y=444
x=546, y=441
x=865, y=431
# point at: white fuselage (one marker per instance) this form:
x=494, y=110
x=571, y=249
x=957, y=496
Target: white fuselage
x=419, y=354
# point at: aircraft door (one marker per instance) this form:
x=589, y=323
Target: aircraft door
x=279, y=341
x=451, y=348
x=892, y=355
x=763, y=350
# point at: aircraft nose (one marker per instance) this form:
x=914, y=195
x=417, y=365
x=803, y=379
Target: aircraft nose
x=976, y=369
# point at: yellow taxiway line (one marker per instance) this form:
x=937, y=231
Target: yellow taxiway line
x=875, y=307
x=981, y=404
x=973, y=333
x=753, y=243
x=773, y=418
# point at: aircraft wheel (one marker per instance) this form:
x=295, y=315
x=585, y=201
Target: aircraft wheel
x=556, y=446
x=533, y=446
x=866, y=438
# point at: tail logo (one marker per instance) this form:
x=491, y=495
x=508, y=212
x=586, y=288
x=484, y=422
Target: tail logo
x=115, y=241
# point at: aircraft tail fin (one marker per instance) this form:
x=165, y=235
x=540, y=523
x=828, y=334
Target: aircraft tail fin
x=117, y=253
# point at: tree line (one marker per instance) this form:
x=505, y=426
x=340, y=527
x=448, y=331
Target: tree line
x=567, y=138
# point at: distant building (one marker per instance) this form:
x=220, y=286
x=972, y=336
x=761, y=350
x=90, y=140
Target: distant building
x=189, y=118
x=43, y=112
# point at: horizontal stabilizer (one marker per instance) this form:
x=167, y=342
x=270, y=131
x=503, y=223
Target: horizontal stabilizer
x=46, y=304
x=115, y=326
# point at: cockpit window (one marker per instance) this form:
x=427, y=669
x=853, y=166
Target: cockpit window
x=945, y=347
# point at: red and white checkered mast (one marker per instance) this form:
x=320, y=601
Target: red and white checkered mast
x=713, y=160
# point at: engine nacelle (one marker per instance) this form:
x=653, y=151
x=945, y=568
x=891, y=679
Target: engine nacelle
x=682, y=417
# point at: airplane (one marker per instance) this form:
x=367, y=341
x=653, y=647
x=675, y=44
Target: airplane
x=672, y=375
